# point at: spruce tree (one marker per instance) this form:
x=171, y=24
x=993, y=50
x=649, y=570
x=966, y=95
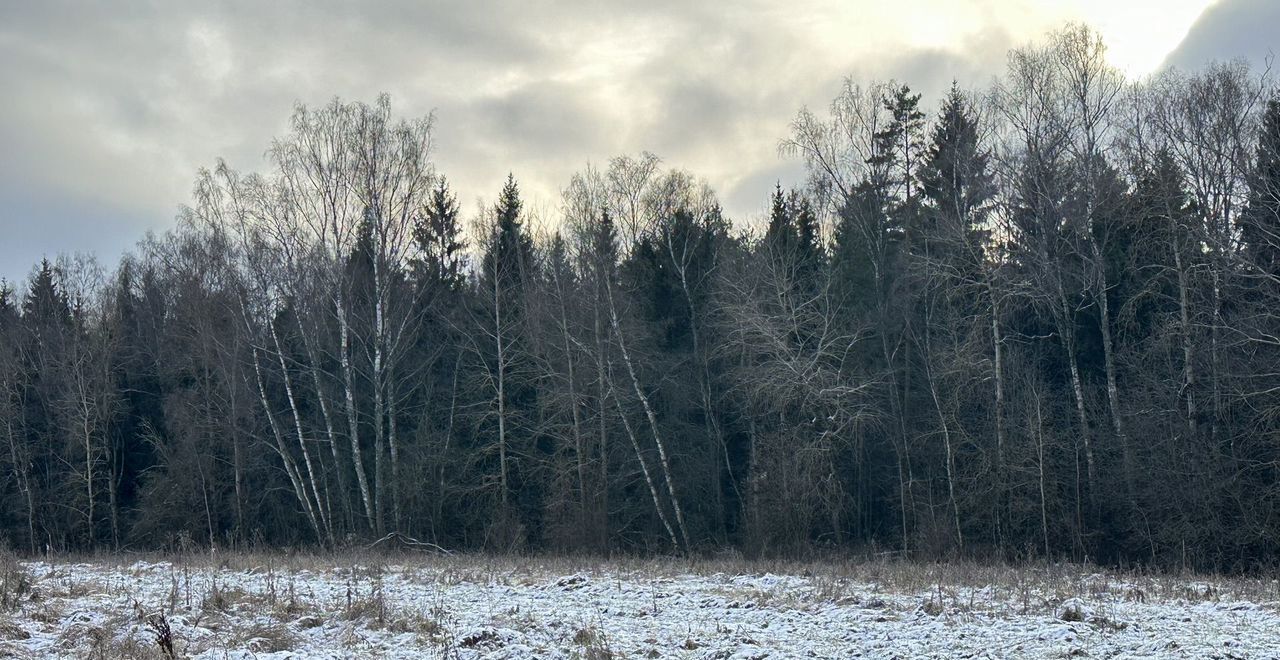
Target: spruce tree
x=8, y=307
x=898, y=158
x=781, y=236
x=45, y=307
x=509, y=255
x=437, y=237
x=1261, y=222
x=956, y=181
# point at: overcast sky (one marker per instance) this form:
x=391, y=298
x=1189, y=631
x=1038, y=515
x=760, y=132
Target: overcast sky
x=110, y=108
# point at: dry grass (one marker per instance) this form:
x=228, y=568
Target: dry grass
x=115, y=638
x=1036, y=587
x=594, y=644
x=16, y=585
x=370, y=605
x=223, y=599
x=264, y=637
x=217, y=611
x=10, y=631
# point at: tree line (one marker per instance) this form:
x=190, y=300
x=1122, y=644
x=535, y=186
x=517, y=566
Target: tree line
x=1038, y=322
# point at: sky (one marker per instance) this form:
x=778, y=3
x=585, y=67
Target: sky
x=110, y=108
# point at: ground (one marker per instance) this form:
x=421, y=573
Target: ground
x=340, y=606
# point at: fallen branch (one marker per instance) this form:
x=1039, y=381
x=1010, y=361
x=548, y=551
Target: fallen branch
x=410, y=542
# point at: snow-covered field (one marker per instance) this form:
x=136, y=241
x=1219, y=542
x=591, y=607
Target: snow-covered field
x=473, y=607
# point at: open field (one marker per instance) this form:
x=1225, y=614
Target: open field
x=261, y=606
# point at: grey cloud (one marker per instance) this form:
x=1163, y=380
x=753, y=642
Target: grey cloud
x=753, y=191
x=30, y=221
x=112, y=107
x=1231, y=29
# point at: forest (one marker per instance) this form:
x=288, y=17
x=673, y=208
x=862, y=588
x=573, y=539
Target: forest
x=1034, y=320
